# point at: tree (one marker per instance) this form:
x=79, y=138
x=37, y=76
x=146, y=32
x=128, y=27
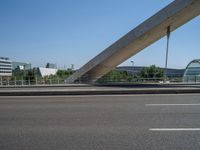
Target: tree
x=30, y=76
x=116, y=76
x=151, y=72
x=63, y=73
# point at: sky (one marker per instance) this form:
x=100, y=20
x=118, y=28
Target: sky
x=69, y=32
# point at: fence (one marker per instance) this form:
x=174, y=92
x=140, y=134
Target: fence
x=61, y=81
x=29, y=82
x=191, y=79
x=144, y=80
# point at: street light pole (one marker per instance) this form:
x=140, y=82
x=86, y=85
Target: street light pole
x=167, y=49
x=132, y=67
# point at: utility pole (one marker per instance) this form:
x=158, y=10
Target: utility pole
x=167, y=49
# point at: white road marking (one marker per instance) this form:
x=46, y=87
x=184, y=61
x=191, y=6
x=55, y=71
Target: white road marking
x=197, y=104
x=174, y=129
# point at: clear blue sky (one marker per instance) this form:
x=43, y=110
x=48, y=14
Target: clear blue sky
x=74, y=31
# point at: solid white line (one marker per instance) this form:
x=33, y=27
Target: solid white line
x=197, y=104
x=174, y=129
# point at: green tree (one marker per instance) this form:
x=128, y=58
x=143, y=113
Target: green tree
x=64, y=73
x=30, y=75
x=151, y=72
x=116, y=76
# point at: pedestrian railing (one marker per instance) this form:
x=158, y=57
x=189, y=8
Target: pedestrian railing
x=61, y=81
x=9, y=82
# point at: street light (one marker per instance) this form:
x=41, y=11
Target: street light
x=167, y=49
x=132, y=66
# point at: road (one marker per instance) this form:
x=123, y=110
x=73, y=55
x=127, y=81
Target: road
x=111, y=122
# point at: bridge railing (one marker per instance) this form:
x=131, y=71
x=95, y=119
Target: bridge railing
x=29, y=82
x=138, y=80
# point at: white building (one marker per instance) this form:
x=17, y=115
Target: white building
x=46, y=71
x=5, y=67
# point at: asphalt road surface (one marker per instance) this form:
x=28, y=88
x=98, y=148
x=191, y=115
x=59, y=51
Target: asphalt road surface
x=118, y=122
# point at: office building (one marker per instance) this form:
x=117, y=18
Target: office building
x=17, y=66
x=50, y=65
x=5, y=67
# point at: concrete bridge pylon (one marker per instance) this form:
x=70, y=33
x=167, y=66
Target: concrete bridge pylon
x=174, y=15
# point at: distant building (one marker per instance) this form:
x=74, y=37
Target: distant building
x=192, y=71
x=16, y=66
x=175, y=73
x=72, y=66
x=42, y=72
x=50, y=65
x=130, y=69
x=5, y=67
x=136, y=69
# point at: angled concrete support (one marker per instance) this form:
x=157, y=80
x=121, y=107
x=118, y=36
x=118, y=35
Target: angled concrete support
x=174, y=15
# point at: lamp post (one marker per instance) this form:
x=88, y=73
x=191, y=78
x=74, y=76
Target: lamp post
x=132, y=62
x=167, y=49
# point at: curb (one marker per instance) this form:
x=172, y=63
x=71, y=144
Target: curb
x=46, y=86
x=99, y=92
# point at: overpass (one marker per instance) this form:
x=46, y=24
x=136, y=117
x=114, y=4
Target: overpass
x=173, y=15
